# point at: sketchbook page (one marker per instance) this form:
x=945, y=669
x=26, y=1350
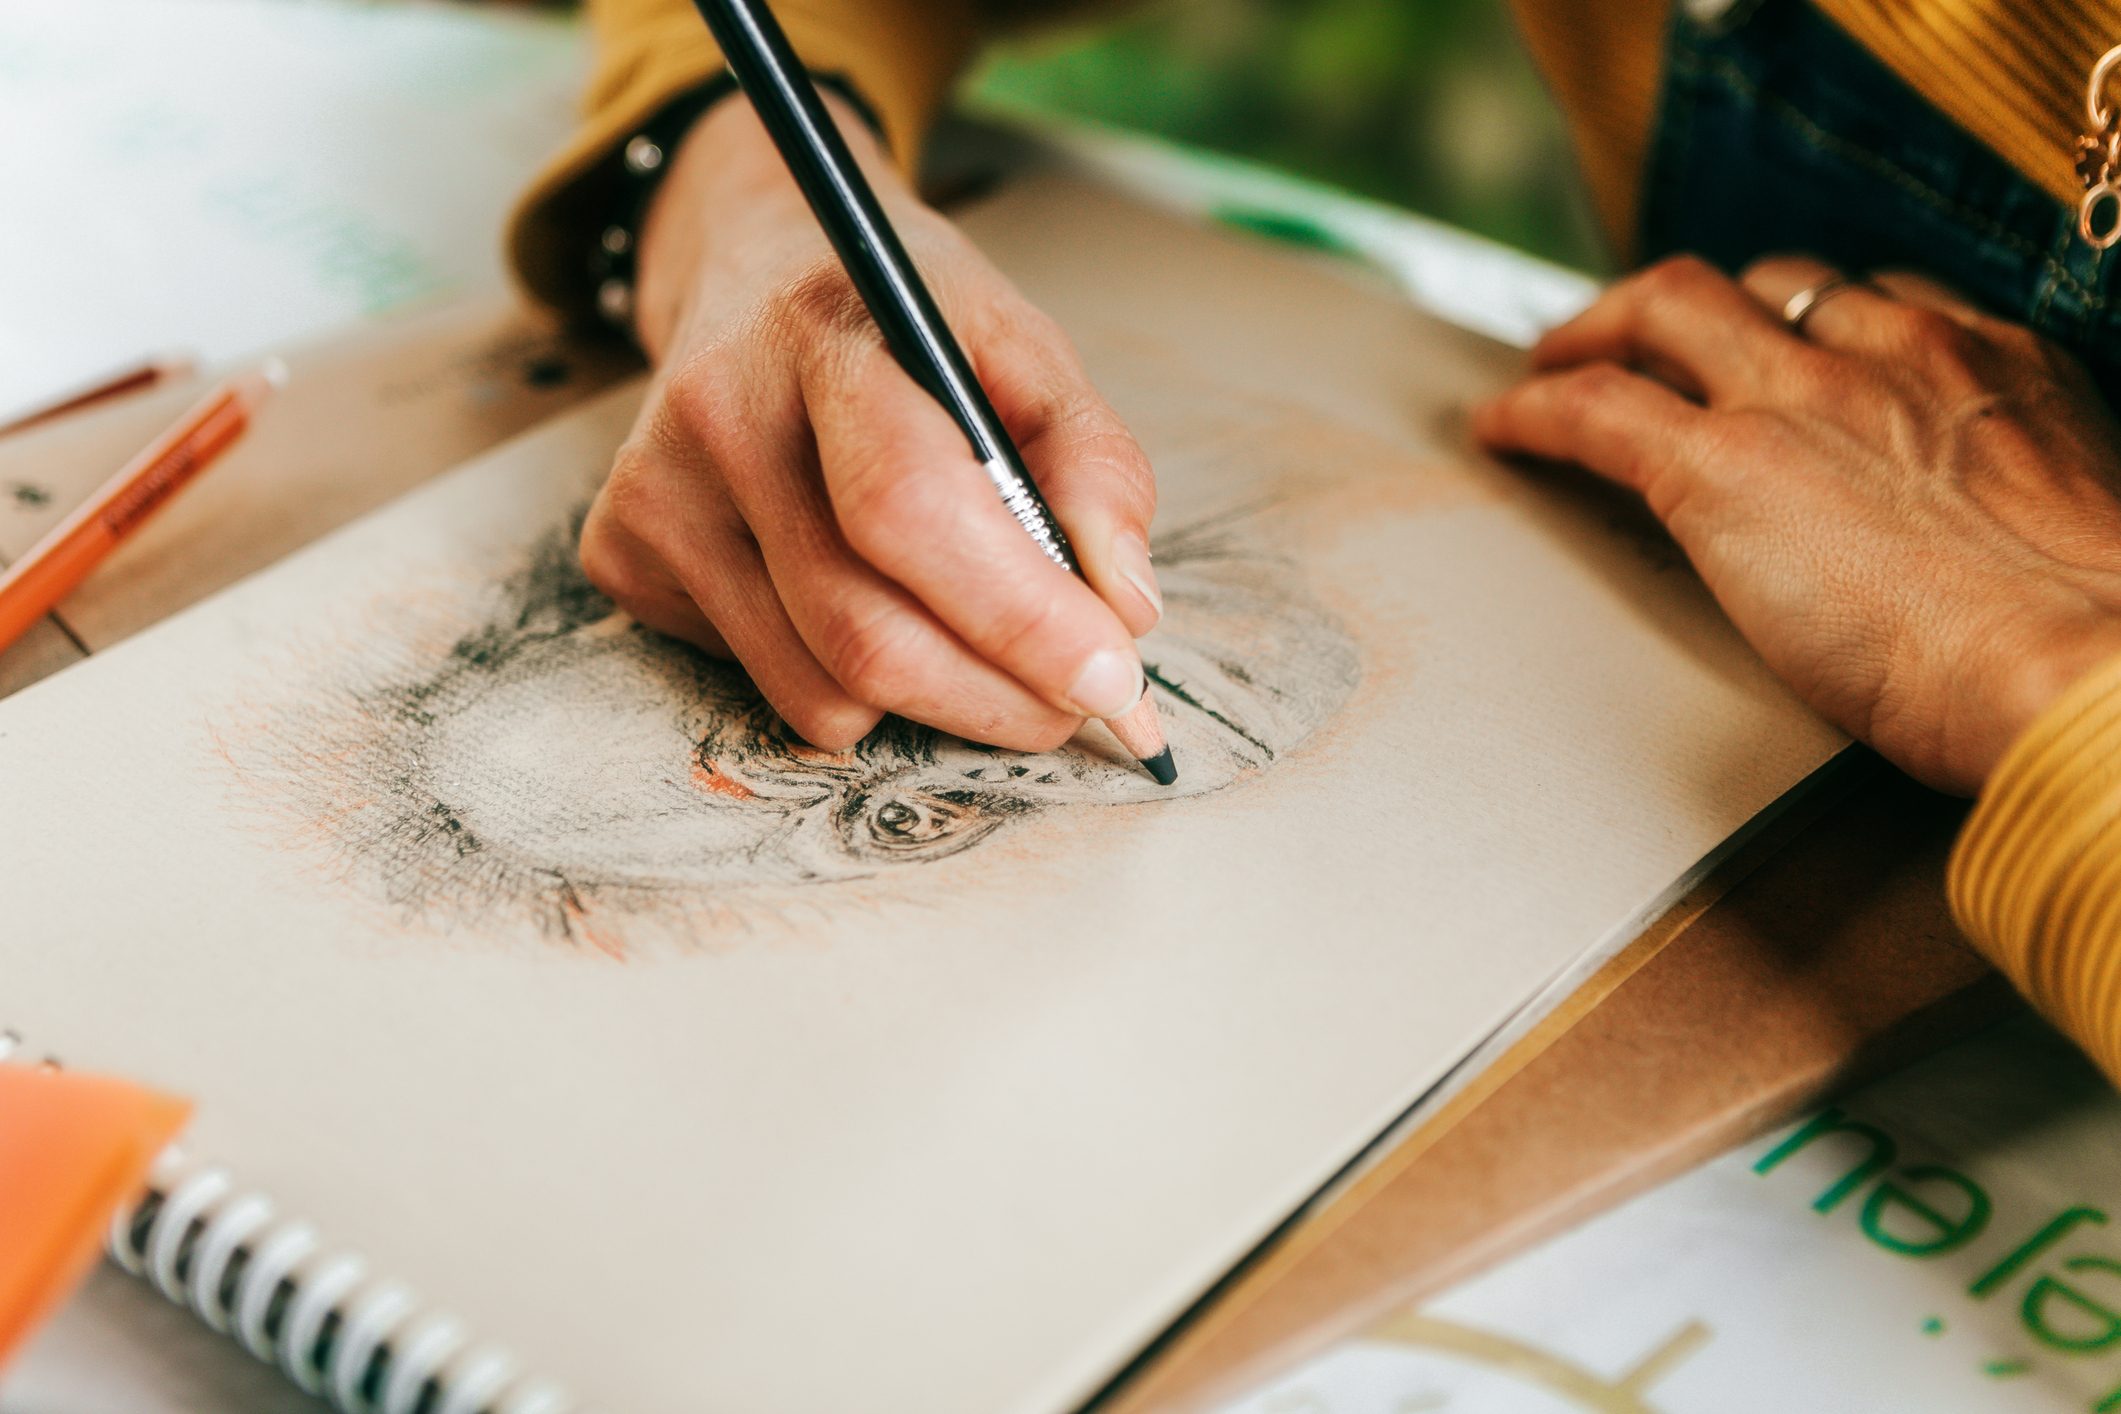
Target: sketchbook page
x=528, y=955
x=117, y=1347
x=222, y=175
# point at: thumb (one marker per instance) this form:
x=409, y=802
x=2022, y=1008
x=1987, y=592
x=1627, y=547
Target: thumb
x=1087, y=465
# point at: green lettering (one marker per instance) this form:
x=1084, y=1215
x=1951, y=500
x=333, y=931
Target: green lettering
x=1945, y=1233
x=2037, y=1297
x=1832, y=1121
x=2039, y=1242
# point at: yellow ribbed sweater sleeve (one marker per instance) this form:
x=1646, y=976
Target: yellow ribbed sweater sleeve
x=2036, y=875
x=2011, y=72
x=901, y=55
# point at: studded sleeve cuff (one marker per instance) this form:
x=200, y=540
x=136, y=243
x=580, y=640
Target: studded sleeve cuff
x=900, y=55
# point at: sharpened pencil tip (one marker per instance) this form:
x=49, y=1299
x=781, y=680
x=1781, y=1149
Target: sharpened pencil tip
x=1162, y=767
x=1142, y=734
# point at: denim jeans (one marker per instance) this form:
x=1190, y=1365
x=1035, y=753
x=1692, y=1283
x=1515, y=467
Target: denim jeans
x=1780, y=134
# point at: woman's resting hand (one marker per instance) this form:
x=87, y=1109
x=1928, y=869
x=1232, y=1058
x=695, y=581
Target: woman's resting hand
x=789, y=496
x=1910, y=508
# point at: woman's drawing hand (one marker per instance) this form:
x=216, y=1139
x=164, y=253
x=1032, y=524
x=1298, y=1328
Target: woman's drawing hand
x=1910, y=508
x=790, y=497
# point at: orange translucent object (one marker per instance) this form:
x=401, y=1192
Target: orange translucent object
x=73, y=1149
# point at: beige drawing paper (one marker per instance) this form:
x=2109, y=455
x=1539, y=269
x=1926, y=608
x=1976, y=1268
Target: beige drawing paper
x=529, y=957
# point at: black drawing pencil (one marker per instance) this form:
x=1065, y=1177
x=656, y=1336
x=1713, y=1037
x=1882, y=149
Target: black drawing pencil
x=766, y=69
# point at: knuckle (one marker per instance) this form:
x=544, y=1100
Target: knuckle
x=1587, y=392
x=1677, y=279
x=707, y=413
x=632, y=466
x=867, y=484
x=1023, y=618
x=1941, y=335
x=1697, y=474
x=883, y=506
x=1667, y=488
x=1597, y=383
x=2023, y=344
x=695, y=396
x=1741, y=437
x=634, y=496
x=1111, y=464
x=1133, y=479
x=871, y=654
x=610, y=570
x=1725, y=452
x=868, y=501
x=816, y=305
x=1774, y=277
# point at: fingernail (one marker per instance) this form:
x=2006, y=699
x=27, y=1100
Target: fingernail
x=1109, y=684
x=1130, y=556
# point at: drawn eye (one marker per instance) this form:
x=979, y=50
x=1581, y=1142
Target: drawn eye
x=915, y=822
x=905, y=821
x=906, y=826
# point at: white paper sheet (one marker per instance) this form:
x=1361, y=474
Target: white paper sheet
x=119, y=1348
x=1729, y=1291
x=221, y=175
x=515, y=950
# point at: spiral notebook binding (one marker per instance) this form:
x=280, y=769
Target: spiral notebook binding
x=270, y=1282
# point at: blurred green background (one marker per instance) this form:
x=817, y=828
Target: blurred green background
x=1429, y=104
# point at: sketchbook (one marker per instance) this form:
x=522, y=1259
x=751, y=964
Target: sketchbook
x=566, y=1035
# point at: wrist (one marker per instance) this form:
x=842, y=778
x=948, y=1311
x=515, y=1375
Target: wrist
x=727, y=202
x=2039, y=677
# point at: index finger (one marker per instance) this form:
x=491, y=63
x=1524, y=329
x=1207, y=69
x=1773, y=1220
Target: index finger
x=1088, y=466
x=1683, y=322
x=912, y=501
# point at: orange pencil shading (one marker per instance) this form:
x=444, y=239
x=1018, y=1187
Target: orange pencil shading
x=57, y=564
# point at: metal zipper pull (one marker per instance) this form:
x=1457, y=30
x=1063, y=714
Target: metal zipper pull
x=2099, y=160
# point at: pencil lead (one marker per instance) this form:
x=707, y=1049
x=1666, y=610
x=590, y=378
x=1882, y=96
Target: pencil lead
x=1162, y=767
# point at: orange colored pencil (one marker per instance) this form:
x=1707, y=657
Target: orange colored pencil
x=56, y=565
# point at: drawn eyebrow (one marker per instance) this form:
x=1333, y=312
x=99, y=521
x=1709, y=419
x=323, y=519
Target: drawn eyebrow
x=1214, y=537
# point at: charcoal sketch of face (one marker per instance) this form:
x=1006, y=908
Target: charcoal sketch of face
x=570, y=769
